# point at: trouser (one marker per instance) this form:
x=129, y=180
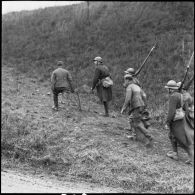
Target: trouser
x=106, y=107
x=173, y=140
x=137, y=122
x=174, y=144
x=56, y=92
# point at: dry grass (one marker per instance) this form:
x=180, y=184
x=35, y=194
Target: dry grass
x=85, y=146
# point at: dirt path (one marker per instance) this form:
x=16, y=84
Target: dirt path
x=15, y=182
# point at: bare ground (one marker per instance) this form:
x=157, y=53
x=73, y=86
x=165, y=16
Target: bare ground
x=92, y=148
x=17, y=182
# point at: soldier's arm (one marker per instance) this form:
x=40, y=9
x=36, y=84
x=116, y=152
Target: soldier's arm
x=143, y=96
x=127, y=99
x=53, y=80
x=96, y=77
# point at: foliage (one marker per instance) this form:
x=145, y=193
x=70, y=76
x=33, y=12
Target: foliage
x=121, y=32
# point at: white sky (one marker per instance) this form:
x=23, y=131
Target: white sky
x=10, y=6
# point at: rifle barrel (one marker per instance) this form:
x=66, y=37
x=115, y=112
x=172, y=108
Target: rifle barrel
x=187, y=69
x=138, y=71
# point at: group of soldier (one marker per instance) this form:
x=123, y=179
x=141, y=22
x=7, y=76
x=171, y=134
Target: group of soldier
x=181, y=131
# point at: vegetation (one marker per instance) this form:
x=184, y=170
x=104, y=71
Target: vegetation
x=122, y=33
x=85, y=146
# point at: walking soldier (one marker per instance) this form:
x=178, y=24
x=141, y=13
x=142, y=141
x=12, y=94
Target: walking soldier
x=104, y=92
x=180, y=130
x=135, y=100
x=61, y=81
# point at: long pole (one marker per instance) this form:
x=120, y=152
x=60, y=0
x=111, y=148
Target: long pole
x=138, y=71
x=187, y=69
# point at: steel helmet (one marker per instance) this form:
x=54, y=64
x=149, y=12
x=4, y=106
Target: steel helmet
x=171, y=85
x=98, y=58
x=130, y=71
x=128, y=76
x=60, y=63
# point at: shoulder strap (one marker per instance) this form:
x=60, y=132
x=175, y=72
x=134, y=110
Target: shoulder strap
x=181, y=100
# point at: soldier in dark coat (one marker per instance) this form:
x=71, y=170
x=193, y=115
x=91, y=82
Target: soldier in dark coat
x=104, y=93
x=178, y=128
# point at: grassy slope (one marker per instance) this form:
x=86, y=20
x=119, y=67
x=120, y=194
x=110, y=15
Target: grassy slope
x=83, y=146
x=121, y=32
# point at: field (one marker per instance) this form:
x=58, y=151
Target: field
x=82, y=145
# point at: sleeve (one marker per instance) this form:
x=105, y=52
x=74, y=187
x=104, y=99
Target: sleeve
x=143, y=96
x=127, y=99
x=95, y=78
x=172, y=109
x=53, y=80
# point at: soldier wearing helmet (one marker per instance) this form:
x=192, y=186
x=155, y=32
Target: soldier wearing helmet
x=104, y=93
x=178, y=128
x=61, y=81
x=131, y=71
x=135, y=100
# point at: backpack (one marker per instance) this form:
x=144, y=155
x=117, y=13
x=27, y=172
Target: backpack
x=107, y=82
x=179, y=113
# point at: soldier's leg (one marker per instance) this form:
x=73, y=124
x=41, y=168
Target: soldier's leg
x=106, y=108
x=132, y=128
x=173, y=142
x=190, y=151
x=55, y=98
x=174, y=153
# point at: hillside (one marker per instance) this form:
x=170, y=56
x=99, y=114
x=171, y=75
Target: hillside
x=82, y=146
x=122, y=33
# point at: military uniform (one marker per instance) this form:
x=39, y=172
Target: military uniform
x=180, y=132
x=104, y=93
x=135, y=100
x=61, y=80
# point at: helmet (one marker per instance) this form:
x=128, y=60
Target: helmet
x=130, y=71
x=98, y=58
x=59, y=63
x=171, y=85
x=128, y=76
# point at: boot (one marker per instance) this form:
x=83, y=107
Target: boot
x=55, y=108
x=189, y=162
x=173, y=155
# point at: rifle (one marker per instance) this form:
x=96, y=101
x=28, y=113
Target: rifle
x=187, y=86
x=138, y=71
x=187, y=69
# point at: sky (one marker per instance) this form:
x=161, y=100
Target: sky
x=10, y=6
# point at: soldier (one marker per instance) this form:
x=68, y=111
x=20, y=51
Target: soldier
x=104, y=93
x=61, y=81
x=135, y=100
x=180, y=133
x=132, y=72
